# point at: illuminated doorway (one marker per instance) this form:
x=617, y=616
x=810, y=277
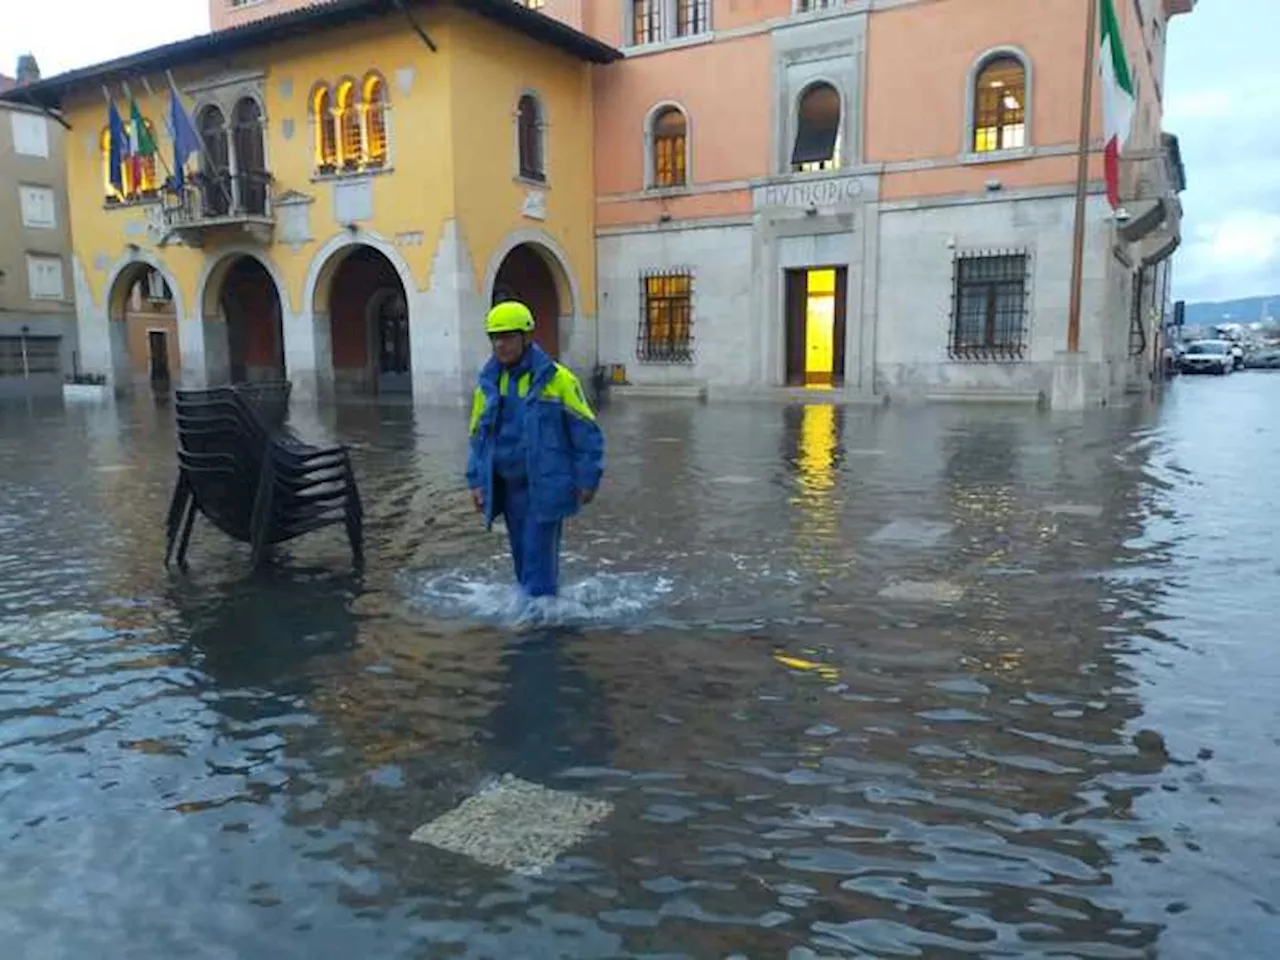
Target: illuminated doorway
x=815, y=314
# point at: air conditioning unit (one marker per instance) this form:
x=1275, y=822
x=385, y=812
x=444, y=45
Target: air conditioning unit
x=157, y=290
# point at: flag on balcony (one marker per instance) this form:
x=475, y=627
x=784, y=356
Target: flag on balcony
x=115, y=146
x=186, y=140
x=1118, y=101
x=142, y=144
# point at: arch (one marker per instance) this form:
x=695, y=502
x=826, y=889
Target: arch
x=530, y=137
x=346, y=111
x=373, y=107
x=568, y=295
x=131, y=263
x=255, y=348
x=977, y=70
x=325, y=129
x=817, y=127
x=128, y=337
x=315, y=288
x=348, y=281
x=677, y=148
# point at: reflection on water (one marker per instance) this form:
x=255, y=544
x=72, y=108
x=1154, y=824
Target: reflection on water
x=935, y=682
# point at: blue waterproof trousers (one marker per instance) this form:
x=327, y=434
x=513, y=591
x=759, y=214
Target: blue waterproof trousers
x=535, y=546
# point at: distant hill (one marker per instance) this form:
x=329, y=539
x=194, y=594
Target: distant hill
x=1248, y=310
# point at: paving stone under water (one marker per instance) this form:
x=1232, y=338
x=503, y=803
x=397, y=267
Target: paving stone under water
x=515, y=825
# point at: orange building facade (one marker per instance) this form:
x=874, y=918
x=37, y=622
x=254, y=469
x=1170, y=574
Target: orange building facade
x=872, y=196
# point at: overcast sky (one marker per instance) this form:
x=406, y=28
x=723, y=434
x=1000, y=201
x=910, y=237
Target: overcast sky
x=1222, y=99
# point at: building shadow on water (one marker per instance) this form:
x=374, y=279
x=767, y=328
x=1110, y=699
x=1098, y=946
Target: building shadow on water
x=550, y=715
x=264, y=629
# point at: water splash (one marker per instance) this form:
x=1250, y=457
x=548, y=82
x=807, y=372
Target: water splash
x=602, y=599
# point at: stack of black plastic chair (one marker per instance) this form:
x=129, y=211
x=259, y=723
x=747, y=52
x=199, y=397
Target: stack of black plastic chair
x=253, y=478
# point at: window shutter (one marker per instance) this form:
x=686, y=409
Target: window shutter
x=30, y=134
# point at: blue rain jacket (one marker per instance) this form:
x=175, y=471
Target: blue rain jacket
x=564, y=447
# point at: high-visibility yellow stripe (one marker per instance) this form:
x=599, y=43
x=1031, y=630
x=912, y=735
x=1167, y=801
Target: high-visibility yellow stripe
x=477, y=410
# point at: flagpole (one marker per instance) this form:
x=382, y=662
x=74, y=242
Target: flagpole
x=204, y=151
x=159, y=153
x=1082, y=179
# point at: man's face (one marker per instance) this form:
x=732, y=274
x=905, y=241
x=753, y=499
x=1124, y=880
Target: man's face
x=508, y=347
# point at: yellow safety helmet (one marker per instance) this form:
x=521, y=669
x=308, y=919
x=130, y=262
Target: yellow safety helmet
x=510, y=316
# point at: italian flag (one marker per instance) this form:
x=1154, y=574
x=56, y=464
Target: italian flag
x=1118, y=101
x=141, y=144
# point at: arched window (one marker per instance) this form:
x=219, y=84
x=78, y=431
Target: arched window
x=670, y=133
x=216, y=162
x=350, y=137
x=817, y=145
x=137, y=176
x=108, y=188
x=251, y=157
x=375, y=120
x=529, y=135
x=1000, y=105
x=326, y=134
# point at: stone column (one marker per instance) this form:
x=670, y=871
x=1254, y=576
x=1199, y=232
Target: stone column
x=308, y=356
x=446, y=326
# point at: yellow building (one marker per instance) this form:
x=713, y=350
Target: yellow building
x=372, y=175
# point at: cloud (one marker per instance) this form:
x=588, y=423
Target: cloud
x=1223, y=102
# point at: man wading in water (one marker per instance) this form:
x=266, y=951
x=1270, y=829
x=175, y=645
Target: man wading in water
x=536, y=450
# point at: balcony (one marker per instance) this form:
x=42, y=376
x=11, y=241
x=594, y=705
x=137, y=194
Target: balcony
x=223, y=203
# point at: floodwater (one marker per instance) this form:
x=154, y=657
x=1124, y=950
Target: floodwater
x=933, y=682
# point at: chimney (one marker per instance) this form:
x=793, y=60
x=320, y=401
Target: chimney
x=28, y=70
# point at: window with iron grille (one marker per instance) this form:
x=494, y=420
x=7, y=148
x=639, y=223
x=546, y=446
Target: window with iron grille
x=692, y=17
x=666, y=319
x=646, y=21
x=43, y=355
x=807, y=6
x=989, y=306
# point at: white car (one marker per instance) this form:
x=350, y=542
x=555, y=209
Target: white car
x=1208, y=356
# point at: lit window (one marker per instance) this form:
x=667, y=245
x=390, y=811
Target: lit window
x=137, y=175
x=375, y=120
x=529, y=135
x=534, y=4
x=989, y=313
x=326, y=136
x=817, y=145
x=350, y=139
x=999, y=106
x=666, y=324
x=669, y=147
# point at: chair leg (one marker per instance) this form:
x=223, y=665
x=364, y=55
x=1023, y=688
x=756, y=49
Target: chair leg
x=185, y=542
x=260, y=522
x=182, y=501
x=355, y=519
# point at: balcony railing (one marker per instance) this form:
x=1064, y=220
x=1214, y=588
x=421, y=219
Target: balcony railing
x=214, y=201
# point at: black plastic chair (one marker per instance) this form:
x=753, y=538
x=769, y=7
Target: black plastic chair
x=252, y=477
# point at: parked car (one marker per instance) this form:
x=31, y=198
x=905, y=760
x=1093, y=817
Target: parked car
x=1264, y=360
x=1208, y=356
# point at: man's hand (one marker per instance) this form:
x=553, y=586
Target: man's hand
x=586, y=496
x=477, y=498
